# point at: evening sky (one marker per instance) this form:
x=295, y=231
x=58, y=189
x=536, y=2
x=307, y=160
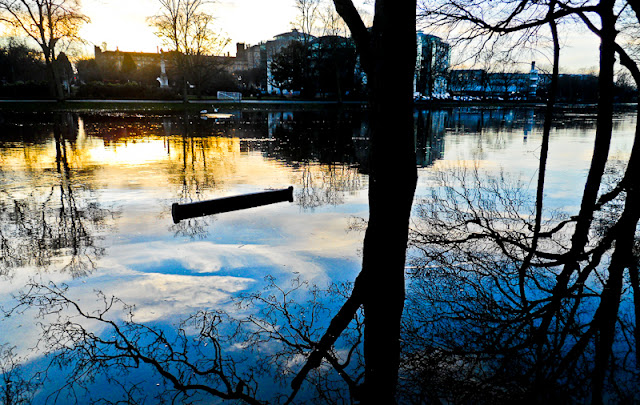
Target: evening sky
x=122, y=24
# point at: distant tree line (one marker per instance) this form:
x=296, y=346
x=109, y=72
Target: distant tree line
x=185, y=26
x=23, y=71
x=326, y=67
x=23, y=74
x=52, y=25
x=583, y=88
x=105, y=79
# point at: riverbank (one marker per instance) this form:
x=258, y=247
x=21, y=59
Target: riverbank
x=170, y=106
x=195, y=106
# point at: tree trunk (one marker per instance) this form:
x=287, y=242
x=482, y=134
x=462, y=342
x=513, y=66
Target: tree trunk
x=622, y=257
x=604, y=127
x=392, y=182
x=635, y=287
x=54, y=80
x=185, y=90
x=184, y=68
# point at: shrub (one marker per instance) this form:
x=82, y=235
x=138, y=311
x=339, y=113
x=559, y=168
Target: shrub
x=127, y=91
x=25, y=90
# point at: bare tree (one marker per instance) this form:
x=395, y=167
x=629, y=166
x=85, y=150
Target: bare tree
x=379, y=289
x=48, y=23
x=307, y=18
x=392, y=184
x=466, y=319
x=331, y=22
x=319, y=17
x=186, y=26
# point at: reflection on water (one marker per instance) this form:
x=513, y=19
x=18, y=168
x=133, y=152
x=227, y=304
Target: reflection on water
x=85, y=199
x=50, y=218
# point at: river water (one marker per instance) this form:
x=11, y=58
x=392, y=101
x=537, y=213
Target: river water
x=85, y=198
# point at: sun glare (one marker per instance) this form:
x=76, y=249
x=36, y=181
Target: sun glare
x=122, y=24
x=130, y=154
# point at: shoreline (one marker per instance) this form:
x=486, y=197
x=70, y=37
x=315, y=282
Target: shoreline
x=195, y=106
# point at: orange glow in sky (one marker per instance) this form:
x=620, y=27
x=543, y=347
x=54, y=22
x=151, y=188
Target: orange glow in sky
x=123, y=23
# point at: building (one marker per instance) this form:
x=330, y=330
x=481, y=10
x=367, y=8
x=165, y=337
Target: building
x=534, y=79
x=252, y=64
x=146, y=59
x=432, y=66
x=141, y=59
x=504, y=85
x=259, y=57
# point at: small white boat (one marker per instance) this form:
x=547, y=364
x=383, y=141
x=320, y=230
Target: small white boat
x=216, y=115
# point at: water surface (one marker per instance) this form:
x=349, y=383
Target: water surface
x=86, y=198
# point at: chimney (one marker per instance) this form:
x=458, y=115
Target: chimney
x=239, y=48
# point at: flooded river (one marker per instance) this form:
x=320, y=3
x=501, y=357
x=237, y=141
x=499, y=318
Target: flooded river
x=85, y=199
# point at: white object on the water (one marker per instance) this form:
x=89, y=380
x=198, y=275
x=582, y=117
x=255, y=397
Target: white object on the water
x=217, y=115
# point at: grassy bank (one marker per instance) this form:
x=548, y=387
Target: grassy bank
x=167, y=107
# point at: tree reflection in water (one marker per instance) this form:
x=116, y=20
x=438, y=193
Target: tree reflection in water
x=323, y=149
x=212, y=353
x=59, y=224
x=470, y=332
x=192, y=175
x=17, y=388
x=203, y=356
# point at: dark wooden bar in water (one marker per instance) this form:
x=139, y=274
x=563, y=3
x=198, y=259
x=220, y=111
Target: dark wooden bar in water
x=226, y=204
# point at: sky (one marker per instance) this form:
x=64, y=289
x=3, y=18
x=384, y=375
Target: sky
x=122, y=23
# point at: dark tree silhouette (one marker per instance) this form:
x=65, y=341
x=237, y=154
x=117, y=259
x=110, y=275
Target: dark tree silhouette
x=291, y=68
x=186, y=26
x=379, y=288
x=18, y=62
x=511, y=299
x=466, y=320
x=392, y=181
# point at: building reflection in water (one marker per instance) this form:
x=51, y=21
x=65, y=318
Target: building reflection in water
x=430, y=133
